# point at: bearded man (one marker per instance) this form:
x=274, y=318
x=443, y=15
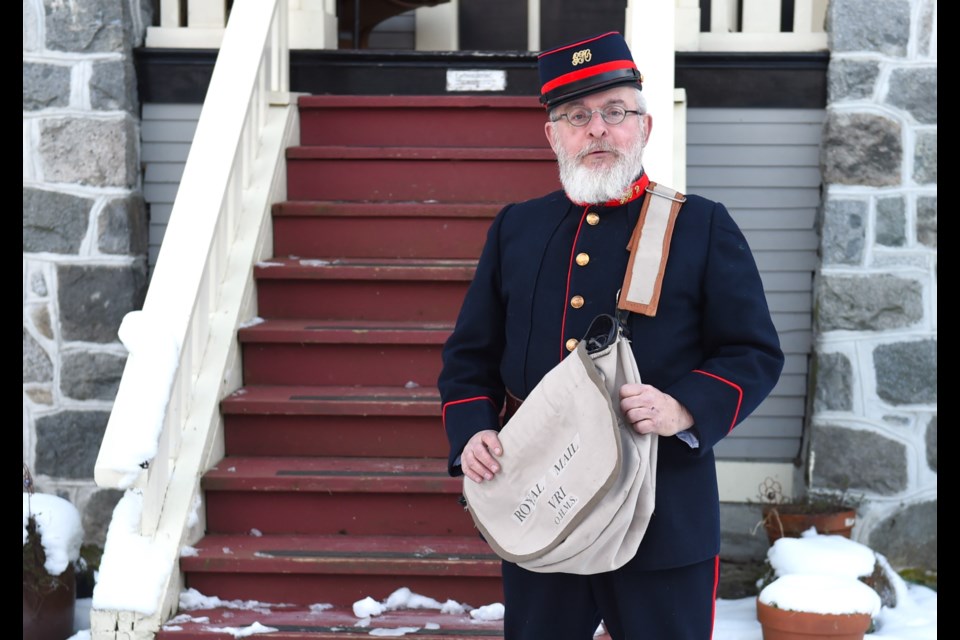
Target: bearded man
x=705, y=345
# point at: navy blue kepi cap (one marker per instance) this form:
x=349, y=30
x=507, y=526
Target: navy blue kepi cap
x=591, y=65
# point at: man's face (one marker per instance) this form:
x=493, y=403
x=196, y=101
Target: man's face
x=598, y=161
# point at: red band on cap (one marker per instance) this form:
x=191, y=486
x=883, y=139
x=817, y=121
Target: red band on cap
x=580, y=74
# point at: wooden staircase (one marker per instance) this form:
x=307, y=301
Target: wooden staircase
x=334, y=487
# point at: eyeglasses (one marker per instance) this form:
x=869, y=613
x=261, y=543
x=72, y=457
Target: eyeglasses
x=581, y=117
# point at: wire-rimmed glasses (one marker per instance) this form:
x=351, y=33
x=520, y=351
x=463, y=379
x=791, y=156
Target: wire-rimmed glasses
x=581, y=116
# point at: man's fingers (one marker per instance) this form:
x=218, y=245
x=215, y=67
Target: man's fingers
x=492, y=443
x=486, y=460
x=479, y=461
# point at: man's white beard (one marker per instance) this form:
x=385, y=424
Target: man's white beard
x=594, y=185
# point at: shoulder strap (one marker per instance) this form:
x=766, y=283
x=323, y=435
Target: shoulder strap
x=649, y=247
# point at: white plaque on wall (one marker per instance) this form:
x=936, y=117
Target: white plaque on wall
x=476, y=79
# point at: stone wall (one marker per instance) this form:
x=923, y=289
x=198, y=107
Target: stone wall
x=874, y=395
x=84, y=236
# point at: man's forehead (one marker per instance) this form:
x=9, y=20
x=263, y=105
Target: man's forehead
x=610, y=96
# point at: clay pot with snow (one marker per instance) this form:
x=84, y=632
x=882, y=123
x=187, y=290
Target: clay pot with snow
x=52, y=534
x=808, y=607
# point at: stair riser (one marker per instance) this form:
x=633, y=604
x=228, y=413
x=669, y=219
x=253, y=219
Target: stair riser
x=341, y=364
x=336, y=513
x=420, y=180
x=379, y=237
x=344, y=590
x=424, y=126
x=366, y=436
x=426, y=301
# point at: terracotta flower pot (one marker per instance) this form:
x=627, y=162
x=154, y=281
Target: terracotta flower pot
x=783, y=521
x=48, y=605
x=784, y=624
x=49, y=600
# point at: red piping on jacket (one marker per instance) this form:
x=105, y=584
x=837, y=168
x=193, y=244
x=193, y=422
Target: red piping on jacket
x=716, y=582
x=443, y=412
x=735, y=386
x=566, y=297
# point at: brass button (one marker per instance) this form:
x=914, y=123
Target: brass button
x=572, y=344
x=576, y=302
x=583, y=259
x=593, y=219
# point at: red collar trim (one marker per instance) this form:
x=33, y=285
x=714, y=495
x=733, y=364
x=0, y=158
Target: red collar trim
x=631, y=193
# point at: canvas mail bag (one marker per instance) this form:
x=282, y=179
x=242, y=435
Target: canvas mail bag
x=576, y=488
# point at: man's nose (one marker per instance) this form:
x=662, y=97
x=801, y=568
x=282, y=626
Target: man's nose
x=597, y=127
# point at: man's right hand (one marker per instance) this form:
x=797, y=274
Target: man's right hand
x=478, y=458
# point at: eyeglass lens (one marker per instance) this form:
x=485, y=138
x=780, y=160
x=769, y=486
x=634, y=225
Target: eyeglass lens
x=610, y=115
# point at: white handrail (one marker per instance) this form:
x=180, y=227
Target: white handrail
x=165, y=429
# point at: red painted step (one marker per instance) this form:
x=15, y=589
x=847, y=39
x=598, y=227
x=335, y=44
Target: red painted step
x=330, y=496
x=341, y=570
x=300, y=352
x=334, y=421
x=440, y=121
x=322, y=623
x=381, y=230
x=427, y=291
x=493, y=175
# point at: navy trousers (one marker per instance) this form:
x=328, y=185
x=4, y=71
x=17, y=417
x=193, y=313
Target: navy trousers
x=670, y=604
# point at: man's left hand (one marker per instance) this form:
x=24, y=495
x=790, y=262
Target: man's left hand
x=650, y=410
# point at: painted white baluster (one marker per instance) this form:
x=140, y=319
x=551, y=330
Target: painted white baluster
x=761, y=16
x=809, y=16
x=207, y=13
x=723, y=16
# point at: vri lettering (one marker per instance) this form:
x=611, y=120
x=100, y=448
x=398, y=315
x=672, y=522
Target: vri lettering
x=562, y=504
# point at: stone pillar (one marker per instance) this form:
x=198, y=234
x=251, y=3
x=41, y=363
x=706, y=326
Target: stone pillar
x=84, y=235
x=874, y=390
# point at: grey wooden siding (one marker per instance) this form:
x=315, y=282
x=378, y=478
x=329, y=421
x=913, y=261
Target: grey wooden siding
x=761, y=163
x=166, y=132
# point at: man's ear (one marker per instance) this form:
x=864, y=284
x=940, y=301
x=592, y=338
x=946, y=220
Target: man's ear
x=647, y=128
x=548, y=131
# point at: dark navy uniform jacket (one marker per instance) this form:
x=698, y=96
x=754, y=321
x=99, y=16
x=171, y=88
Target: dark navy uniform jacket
x=712, y=344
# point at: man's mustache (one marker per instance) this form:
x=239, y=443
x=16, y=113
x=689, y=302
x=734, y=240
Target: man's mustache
x=596, y=147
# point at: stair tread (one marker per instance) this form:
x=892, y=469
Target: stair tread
x=424, y=153
x=365, y=268
x=333, y=400
x=283, y=330
x=332, y=474
x=320, y=101
x=339, y=622
x=426, y=209
x=417, y=555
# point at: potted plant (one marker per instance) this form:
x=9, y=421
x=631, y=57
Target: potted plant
x=804, y=607
x=52, y=534
x=827, y=513
x=824, y=586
